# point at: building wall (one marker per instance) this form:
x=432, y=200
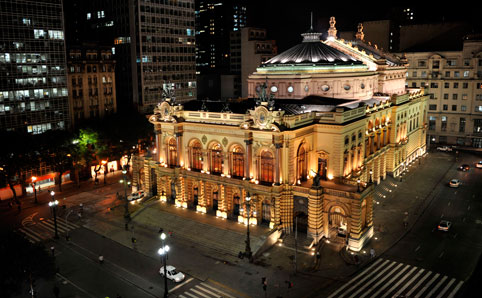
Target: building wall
x=454, y=82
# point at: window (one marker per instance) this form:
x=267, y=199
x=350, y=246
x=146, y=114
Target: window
x=477, y=125
x=432, y=107
x=447, y=74
x=302, y=164
x=100, y=14
x=216, y=159
x=89, y=16
x=432, y=122
x=433, y=85
x=445, y=107
x=462, y=125
x=267, y=167
x=444, y=123
x=414, y=74
x=196, y=156
x=422, y=63
x=436, y=64
x=479, y=85
x=454, y=107
x=454, y=96
x=446, y=85
x=463, y=108
x=456, y=85
x=466, y=74
x=456, y=74
x=446, y=96
x=466, y=62
x=464, y=97
x=452, y=62
x=478, y=108
x=465, y=85
x=238, y=162
x=424, y=74
x=172, y=152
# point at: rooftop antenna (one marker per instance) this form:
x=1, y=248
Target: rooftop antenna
x=311, y=26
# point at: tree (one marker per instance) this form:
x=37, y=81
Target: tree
x=89, y=148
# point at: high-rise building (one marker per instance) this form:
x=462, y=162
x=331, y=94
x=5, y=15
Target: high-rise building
x=153, y=44
x=33, y=78
x=453, y=79
x=91, y=77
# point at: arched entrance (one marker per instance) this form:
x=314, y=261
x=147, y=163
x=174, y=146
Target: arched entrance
x=266, y=212
x=337, y=222
x=300, y=222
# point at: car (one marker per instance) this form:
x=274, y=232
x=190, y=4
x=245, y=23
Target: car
x=136, y=195
x=341, y=232
x=479, y=165
x=464, y=168
x=444, y=148
x=444, y=225
x=172, y=273
x=454, y=183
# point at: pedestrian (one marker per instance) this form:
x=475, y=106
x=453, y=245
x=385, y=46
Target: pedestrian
x=101, y=259
x=56, y=291
x=372, y=253
x=52, y=249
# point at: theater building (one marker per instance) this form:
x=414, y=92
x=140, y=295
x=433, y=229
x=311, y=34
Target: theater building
x=324, y=122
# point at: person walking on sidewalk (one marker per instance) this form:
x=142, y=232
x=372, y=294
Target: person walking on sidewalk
x=372, y=253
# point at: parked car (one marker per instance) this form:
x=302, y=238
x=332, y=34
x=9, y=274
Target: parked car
x=136, y=195
x=172, y=273
x=444, y=225
x=464, y=168
x=454, y=183
x=444, y=148
x=479, y=165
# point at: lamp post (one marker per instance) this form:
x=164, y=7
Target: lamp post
x=127, y=215
x=248, y=252
x=163, y=253
x=358, y=184
x=104, y=164
x=371, y=174
x=34, y=179
x=53, y=204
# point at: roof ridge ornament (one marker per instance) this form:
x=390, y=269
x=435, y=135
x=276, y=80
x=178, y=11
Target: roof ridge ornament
x=360, y=35
x=332, y=31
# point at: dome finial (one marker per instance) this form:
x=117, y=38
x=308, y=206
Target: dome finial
x=311, y=26
x=332, y=30
x=360, y=35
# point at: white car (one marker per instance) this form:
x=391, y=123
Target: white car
x=454, y=183
x=444, y=225
x=479, y=165
x=136, y=195
x=444, y=148
x=172, y=273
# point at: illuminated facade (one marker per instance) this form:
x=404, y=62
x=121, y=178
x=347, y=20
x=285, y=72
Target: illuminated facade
x=325, y=121
x=33, y=78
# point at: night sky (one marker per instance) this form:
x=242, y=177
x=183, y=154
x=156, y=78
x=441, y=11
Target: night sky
x=286, y=23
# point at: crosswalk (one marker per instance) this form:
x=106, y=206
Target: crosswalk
x=386, y=278
x=205, y=290
x=38, y=231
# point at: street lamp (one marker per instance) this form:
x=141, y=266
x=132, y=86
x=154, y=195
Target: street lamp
x=371, y=173
x=127, y=215
x=34, y=179
x=248, y=252
x=104, y=162
x=163, y=253
x=53, y=204
x=358, y=184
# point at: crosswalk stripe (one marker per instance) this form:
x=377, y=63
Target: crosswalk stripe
x=69, y=224
x=181, y=296
x=358, y=276
x=391, y=280
x=380, y=281
x=376, y=277
x=182, y=284
x=446, y=288
x=51, y=226
x=207, y=291
x=427, y=285
x=437, y=286
x=224, y=294
x=31, y=234
x=199, y=293
x=456, y=289
x=63, y=223
x=399, y=282
x=189, y=294
x=419, y=283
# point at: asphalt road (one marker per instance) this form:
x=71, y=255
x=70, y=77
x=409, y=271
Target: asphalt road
x=454, y=253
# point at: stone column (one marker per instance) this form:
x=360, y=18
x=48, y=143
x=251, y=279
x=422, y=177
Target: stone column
x=158, y=144
x=379, y=141
x=372, y=143
x=248, y=157
x=179, y=148
x=277, y=163
x=315, y=213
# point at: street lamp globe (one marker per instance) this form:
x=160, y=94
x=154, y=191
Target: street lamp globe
x=52, y=193
x=163, y=236
x=161, y=251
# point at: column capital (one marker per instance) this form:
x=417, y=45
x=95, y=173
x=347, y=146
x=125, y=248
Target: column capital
x=248, y=142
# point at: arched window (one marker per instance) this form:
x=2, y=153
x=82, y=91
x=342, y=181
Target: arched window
x=196, y=156
x=237, y=162
x=302, y=163
x=172, y=152
x=216, y=159
x=267, y=167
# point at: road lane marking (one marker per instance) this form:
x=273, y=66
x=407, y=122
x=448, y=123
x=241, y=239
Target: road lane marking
x=182, y=284
x=441, y=255
x=446, y=288
x=354, y=279
x=75, y=286
x=437, y=286
x=409, y=282
x=427, y=285
x=419, y=283
x=51, y=227
x=418, y=247
x=456, y=289
x=207, y=291
x=189, y=294
x=380, y=281
x=219, y=291
x=31, y=234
